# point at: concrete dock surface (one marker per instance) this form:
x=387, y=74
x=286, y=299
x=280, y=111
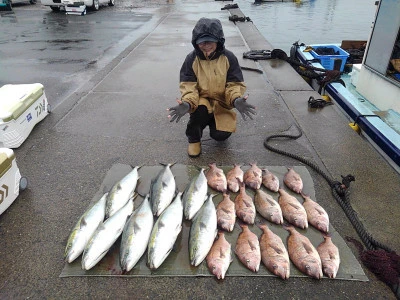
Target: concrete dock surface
x=119, y=116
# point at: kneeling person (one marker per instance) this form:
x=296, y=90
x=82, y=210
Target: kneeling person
x=211, y=85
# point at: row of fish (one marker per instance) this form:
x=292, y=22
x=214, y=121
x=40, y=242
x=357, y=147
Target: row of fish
x=101, y=225
x=271, y=250
x=253, y=178
x=93, y=236
x=287, y=206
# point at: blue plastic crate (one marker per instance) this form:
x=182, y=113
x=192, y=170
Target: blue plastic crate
x=328, y=61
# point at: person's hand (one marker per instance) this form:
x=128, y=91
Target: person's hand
x=177, y=112
x=244, y=108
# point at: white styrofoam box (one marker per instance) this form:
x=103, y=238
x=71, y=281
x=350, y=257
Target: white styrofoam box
x=9, y=178
x=22, y=106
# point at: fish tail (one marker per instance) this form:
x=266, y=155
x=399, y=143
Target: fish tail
x=327, y=235
x=167, y=164
x=133, y=166
x=242, y=224
x=287, y=226
x=141, y=194
x=241, y=183
x=262, y=225
x=198, y=168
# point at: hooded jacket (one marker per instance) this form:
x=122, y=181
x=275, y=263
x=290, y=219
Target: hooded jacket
x=215, y=81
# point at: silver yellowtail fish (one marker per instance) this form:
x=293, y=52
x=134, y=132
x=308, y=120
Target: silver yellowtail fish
x=136, y=235
x=202, y=232
x=84, y=229
x=121, y=192
x=162, y=190
x=165, y=232
x=105, y=236
x=195, y=195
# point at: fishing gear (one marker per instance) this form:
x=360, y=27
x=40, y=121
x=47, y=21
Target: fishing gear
x=318, y=103
x=230, y=6
x=236, y=18
x=322, y=75
x=257, y=54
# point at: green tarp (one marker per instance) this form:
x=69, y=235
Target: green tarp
x=177, y=263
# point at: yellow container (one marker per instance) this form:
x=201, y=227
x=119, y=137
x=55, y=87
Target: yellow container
x=355, y=127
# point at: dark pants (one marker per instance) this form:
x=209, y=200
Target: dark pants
x=199, y=120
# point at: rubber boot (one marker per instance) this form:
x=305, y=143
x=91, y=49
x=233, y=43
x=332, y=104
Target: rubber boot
x=194, y=149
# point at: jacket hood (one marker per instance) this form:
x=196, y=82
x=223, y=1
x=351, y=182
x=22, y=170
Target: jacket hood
x=211, y=27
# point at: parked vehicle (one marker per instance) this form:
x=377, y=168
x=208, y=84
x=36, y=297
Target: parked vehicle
x=8, y=4
x=56, y=5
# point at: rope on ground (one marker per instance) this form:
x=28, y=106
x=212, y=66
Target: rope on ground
x=378, y=258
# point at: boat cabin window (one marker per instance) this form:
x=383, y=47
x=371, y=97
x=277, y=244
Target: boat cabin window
x=383, y=53
x=394, y=66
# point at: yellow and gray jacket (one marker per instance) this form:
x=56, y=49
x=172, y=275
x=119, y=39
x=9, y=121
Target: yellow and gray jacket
x=215, y=81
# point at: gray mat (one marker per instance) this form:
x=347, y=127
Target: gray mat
x=177, y=263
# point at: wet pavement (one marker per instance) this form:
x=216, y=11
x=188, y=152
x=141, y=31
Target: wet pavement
x=119, y=117
x=67, y=50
